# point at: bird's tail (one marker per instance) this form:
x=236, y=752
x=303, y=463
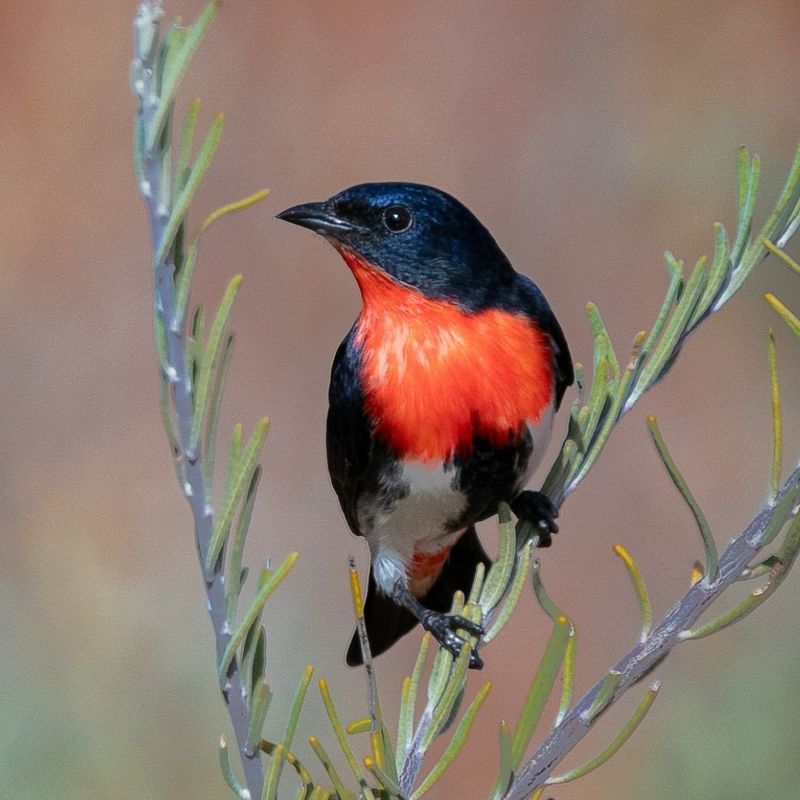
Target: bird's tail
x=387, y=622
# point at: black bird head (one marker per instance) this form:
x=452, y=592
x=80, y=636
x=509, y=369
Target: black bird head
x=418, y=235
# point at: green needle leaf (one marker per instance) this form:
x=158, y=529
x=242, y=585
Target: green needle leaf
x=514, y=593
x=386, y=781
x=176, y=68
x=567, y=677
x=540, y=690
x=184, y=199
x=787, y=316
x=455, y=744
x=782, y=255
x=227, y=772
x=297, y=707
x=749, y=178
x=326, y=762
x=185, y=157
x=237, y=551
x=215, y=406
x=405, y=723
x=259, y=705
x=630, y=726
x=242, y=478
x=775, y=397
x=183, y=285
x=263, y=594
x=448, y=697
x=664, y=351
x=608, y=420
x=604, y=696
x=712, y=559
x=341, y=737
x=210, y=361
x=506, y=772
x=718, y=273
x=640, y=589
x=496, y=582
x=273, y=773
x=670, y=299
x=259, y=654
x=600, y=332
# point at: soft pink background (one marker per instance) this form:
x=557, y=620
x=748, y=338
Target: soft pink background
x=589, y=137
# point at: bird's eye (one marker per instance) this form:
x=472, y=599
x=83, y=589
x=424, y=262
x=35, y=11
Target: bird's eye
x=397, y=219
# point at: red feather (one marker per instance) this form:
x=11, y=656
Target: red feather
x=436, y=376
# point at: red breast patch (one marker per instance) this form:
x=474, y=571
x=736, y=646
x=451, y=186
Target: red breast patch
x=436, y=376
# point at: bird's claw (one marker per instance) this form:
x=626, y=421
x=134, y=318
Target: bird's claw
x=537, y=509
x=443, y=628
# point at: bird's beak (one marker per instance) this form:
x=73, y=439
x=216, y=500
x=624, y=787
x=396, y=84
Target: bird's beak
x=317, y=217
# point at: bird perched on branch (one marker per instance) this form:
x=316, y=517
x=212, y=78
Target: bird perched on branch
x=441, y=398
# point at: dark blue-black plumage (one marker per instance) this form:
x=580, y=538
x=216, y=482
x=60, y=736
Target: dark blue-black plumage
x=426, y=240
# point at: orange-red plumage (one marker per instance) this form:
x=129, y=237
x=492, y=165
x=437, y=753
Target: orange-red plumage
x=435, y=376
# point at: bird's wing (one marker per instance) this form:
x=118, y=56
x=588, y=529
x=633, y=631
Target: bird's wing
x=352, y=447
x=530, y=299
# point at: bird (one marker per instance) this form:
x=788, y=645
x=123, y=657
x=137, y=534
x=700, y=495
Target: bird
x=441, y=399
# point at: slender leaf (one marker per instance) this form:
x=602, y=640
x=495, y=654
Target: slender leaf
x=341, y=737
x=604, y=697
x=185, y=156
x=641, y=590
x=405, y=723
x=236, y=205
x=506, y=771
x=215, y=406
x=210, y=361
x=496, y=583
x=263, y=594
x=540, y=690
x=273, y=775
x=782, y=255
x=712, y=559
x=630, y=726
x=456, y=743
x=664, y=351
x=259, y=705
x=259, y=661
x=749, y=178
x=177, y=68
x=242, y=478
x=183, y=285
x=775, y=398
x=787, y=316
x=717, y=274
x=605, y=428
x=514, y=593
x=448, y=696
x=670, y=300
x=326, y=762
x=184, y=199
x=227, y=771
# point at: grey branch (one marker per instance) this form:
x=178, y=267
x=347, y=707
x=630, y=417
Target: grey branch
x=159, y=205
x=643, y=658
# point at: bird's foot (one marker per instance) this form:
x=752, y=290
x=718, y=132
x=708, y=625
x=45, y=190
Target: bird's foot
x=444, y=627
x=537, y=509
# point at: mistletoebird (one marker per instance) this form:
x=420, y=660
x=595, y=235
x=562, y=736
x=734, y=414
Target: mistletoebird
x=441, y=399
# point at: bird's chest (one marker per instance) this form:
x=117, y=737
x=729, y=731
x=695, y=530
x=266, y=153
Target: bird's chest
x=436, y=379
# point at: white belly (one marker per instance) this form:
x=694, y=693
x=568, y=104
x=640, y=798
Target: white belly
x=418, y=521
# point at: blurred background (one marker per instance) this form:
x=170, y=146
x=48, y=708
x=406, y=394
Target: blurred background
x=589, y=138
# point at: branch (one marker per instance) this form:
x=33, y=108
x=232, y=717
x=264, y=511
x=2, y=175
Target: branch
x=673, y=628
x=193, y=374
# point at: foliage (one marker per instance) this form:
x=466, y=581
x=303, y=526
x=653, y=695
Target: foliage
x=194, y=354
